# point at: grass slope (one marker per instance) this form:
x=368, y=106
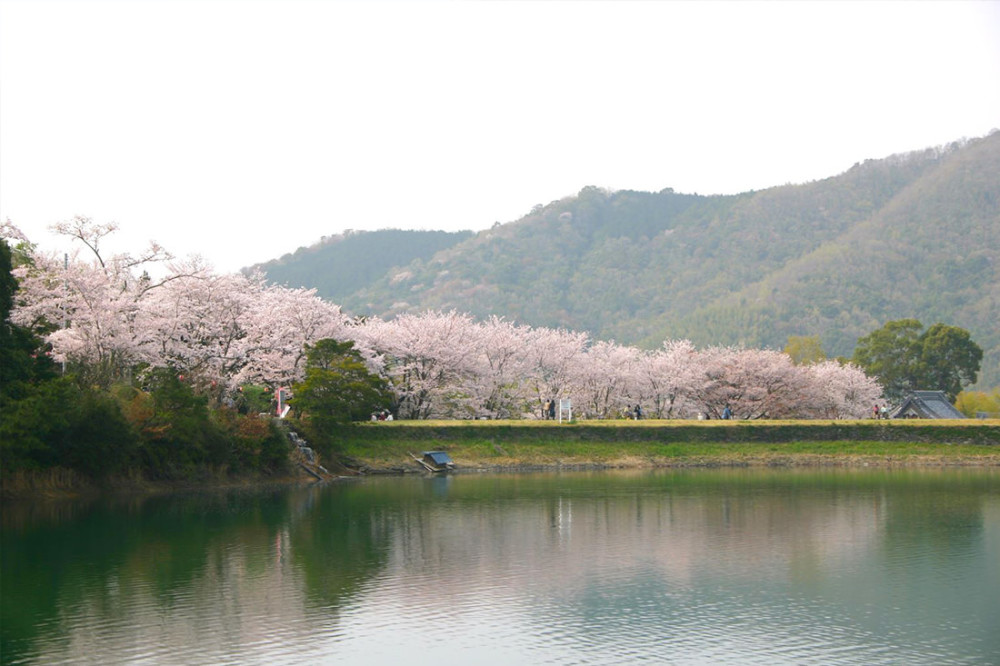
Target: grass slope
x=495, y=445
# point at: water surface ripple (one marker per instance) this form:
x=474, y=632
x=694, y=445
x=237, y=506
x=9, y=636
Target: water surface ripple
x=694, y=567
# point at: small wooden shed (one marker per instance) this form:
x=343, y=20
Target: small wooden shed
x=436, y=461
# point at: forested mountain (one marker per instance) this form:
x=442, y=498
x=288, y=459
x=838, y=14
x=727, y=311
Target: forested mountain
x=340, y=265
x=913, y=235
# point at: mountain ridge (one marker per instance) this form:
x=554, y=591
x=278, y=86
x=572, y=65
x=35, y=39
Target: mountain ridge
x=910, y=235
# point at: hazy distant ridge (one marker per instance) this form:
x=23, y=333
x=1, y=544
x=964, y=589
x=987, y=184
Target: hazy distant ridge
x=340, y=265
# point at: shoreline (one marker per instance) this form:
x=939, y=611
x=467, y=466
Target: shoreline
x=371, y=467
x=359, y=468
x=523, y=447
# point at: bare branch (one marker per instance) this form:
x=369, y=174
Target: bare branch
x=86, y=231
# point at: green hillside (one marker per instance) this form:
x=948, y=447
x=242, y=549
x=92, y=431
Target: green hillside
x=911, y=235
x=930, y=253
x=340, y=265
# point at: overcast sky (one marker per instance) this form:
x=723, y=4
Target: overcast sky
x=241, y=130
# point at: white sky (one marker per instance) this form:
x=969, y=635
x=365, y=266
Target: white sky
x=241, y=130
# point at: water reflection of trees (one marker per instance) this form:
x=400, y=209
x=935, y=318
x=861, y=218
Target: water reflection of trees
x=339, y=544
x=99, y=560
x=946, y=520
x=690, y=556
x=595, y=543
x=737, y=521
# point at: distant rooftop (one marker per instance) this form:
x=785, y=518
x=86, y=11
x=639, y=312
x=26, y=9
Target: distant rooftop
x=927, y=405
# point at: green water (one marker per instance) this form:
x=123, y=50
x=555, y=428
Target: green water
x=680, y=567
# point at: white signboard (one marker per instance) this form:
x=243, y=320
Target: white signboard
x=565, y=407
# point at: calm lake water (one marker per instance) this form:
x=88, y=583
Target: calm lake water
x=674, y=567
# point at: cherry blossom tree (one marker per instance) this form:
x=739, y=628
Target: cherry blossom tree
x=503, y=370
x=753, y=383
x=428, y=358
x=842, y=391
x=667, y=376
x=94, y=302
x=278, y=325
x=197, y=322
x=605, y=380
x=550, y=361
x=216, y=329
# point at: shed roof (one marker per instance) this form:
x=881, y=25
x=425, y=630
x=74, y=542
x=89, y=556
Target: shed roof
x=439, y=457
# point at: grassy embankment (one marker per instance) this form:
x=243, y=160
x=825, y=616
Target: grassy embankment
x=496, y=445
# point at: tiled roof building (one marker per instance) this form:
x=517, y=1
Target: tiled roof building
x=926, y=405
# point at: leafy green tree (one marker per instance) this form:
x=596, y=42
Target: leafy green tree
x=949, y=359
x=891, y=353
x=805, y=349
x=98, y=440
x=59, y=424
x=8, y=284
x=906, y=358
x=338, y=387
x=32, y=404
x=22, y=361
x=179, y=436
x=31, y=421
